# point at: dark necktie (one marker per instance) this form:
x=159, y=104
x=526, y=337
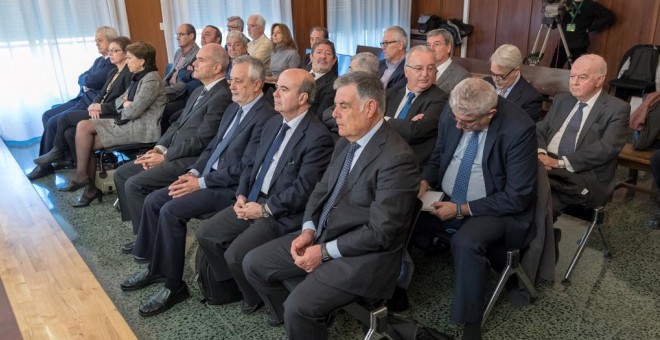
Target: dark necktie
x=259, y=182
x=330, y=203
x=459, y=192
x=567, y=142
x=201, y=95
x=229, y=136
x=406, y=106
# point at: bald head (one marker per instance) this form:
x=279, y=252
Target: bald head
x=211, y=63
x=587, y=76
x=295, y=92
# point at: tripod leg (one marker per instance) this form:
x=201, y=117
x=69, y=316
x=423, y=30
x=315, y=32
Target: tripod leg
x=545, y=43
x=536, y=41
x=565, y=44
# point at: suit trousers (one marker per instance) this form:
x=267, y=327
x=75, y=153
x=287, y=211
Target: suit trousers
x=469, y=246
x=49, y=120
x=68, y=121
x=162, y=234
x=305, y=310
x=225, y=239
x=133, y=184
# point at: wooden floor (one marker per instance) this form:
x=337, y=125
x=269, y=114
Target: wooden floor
x=52, y=292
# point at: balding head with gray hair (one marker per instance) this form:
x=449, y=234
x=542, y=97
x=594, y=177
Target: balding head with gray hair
x=364, y=61
x=473, y=96
x=507, y=56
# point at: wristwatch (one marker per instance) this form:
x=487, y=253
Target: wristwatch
x=264, y=211
x=459, y=213
x=324, y=254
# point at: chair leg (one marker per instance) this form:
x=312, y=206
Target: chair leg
x=608, y=250
x=377, y=320
x=583, y=243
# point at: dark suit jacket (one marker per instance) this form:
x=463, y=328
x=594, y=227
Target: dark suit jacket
x=325, y=94
x=369, y=220
x=93, y=79
x=240, y=150
x=300, y=167
x=451, y=77
x=601, y=139
x=398, y=78
x=420, y=134
x=509, y=168
x=197, y=125
x=524, y=95
x=118, y=88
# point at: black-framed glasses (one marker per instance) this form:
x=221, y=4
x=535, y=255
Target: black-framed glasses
x=179, y=35
x=502, y=77
x=384, y=44
x=232, y=28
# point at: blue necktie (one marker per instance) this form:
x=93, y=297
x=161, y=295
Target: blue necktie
x=259, y=182
x=567, y=142
x=330, y=203
x=406, y=106
x=229, y=136
x=459, y=193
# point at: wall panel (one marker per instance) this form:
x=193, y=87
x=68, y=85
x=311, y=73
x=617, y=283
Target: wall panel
x=147, y=27
x=307, y=14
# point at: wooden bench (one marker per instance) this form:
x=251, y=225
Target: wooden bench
x=635, y=161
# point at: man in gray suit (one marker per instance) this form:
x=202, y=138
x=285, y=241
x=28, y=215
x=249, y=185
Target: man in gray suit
x=183, y=141
x=581, y=136
x=354, y=225
x=449, y=73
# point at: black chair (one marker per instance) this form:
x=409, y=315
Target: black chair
x=129, y=150
x=636, y=72
x=377, y=51
x=370, y=313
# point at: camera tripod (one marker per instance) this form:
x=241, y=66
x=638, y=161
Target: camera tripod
x=536, y=56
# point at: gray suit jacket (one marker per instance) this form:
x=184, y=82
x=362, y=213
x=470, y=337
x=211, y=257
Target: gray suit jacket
x=197, y=124
x=451, y=76
x=370, y=218
x=601, y=139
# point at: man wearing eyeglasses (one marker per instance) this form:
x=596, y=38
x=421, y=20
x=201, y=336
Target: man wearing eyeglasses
x=449, y=73
x=260, y=47
x=509, y=83
x=581, y=136
x=390, y=70
x=485, y=163
x=414, y=109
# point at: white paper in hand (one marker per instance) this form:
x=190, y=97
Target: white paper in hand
x=430, y=197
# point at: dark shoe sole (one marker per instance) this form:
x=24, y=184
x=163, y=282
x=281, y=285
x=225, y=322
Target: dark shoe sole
x=138, y=259
x=142, y=285
x=170, y=303
x=247, y=310
x=126, y=249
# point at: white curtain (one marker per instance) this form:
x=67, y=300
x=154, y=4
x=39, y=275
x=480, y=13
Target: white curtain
x=44, y=46
x=200, y=13
x=362, y=22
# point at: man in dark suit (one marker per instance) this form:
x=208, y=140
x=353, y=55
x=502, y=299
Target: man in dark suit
x=414, y=110
x=317, y=33
x=354, y=226
x=390, y=70
x=183, y=141
x=273, y=191
x=486, y=166
x=509, y=83
x=207, y=187
x=581, y=137
x=449, y=73
x=323, y=59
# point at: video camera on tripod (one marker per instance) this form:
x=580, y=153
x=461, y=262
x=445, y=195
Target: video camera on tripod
x=553, y=10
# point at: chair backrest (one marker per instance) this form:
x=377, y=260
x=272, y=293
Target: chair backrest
x=343, y=63
x=640, y=63
x=377, y=51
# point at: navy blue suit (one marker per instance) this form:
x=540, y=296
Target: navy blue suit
x=225, y=239
x=524, y=95
x=509, y=167
x=162, y=234
x=398, y=78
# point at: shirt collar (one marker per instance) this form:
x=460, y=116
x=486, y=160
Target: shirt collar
x=367, y=137
x=247, y=107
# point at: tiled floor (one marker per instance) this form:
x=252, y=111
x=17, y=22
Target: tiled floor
x=608, y=299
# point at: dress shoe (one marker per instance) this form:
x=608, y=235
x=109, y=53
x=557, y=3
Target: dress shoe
x=140, y=280
x=66, y=164
x=128, y=247
x=163, y=300
x=139, y=259
x=249, y=309
x=273, y=321
x=40, y=171
x=74, y=186
x=85, y=200
x=55, y=154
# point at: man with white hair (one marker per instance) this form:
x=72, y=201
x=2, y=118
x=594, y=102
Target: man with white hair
x=394, y=43
x=260, y=47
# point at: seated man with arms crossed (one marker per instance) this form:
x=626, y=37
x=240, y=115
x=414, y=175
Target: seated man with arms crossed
x=355, y=222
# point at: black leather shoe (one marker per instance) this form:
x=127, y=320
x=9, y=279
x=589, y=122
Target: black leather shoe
x=140, y=280
x=73, y=186
x=272, y=321
x=40, y=171
x=85, y=200
x=128, y=247
x=66, y=164
x=163, y=300
x=51, y=156
x=138, y=259
x=249, y=309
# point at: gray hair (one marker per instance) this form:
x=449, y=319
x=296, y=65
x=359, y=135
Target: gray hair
x=507, y=56
x=238, y=36
x=399, y=34
x=366, y=62
x=237, y=18
x=260, y=20
x=368, y=87
x=419, y=49
x=109, y=32
x=449, y=39
x=256, y=69
x=597, y=62
x=473, y=96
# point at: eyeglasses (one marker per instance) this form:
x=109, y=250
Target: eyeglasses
x=384, y=44
x=253, y=26
x=419, y=68
x=232, y=28
x=115, y=51
x=502, y=77
x=180, y=35
x=465, y=123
